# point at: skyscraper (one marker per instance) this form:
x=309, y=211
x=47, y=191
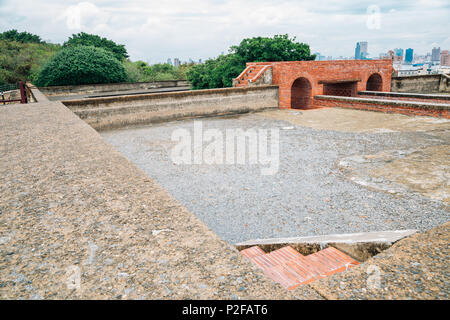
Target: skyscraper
x=445, y=58
x=409, y=55
x=361, y=50
x=436, y=54
x=176, y=62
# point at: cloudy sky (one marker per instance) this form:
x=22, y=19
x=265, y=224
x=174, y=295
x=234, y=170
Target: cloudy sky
x=156, y=30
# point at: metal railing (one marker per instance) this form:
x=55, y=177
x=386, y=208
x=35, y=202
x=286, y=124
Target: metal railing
x=10, y=87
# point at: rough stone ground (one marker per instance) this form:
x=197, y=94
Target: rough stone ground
x=328, y=180
x=74, y=211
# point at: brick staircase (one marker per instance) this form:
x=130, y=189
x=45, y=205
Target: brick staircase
x=291, y=269
x=251, y=73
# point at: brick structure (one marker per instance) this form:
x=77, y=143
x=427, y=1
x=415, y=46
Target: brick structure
x=300, y=81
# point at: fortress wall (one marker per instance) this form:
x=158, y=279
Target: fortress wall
x=115, y=112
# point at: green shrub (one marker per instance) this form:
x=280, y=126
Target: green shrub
x=81, y=65
x=85, y=39
x=140, y=71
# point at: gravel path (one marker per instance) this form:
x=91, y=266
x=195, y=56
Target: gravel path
x=308, y=195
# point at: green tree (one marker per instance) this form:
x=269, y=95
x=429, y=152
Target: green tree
x=23, y=37
x=220, y=72
x=140, y=71
x=278, y=48
x=85, y=39
x=81, y=65
x=22, y=61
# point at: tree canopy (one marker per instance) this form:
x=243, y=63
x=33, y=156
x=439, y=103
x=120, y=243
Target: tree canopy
x=23, y=37
x=22, y=61
x=141, y=71
x=85, y=39
x=220, y=72
x=81, y=65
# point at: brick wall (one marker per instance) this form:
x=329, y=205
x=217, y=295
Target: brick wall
x=317, y=73
x=380, y=105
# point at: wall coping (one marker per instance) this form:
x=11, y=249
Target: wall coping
x=106, y=84
x=179, y=94
x=406, y=95
x=403, y=103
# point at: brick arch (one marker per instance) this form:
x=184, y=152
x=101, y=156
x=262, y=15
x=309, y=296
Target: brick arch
x=374, y=82
x=301, y=93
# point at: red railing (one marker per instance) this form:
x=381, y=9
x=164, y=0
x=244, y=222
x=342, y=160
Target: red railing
x=23, y=95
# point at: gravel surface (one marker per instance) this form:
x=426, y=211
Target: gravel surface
x=308, y=196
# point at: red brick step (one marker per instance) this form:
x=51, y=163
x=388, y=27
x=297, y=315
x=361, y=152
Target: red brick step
x=290, y=269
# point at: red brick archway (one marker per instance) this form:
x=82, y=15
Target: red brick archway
x=301, y=94
x=374, y=83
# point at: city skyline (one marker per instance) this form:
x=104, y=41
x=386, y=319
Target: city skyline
x=153, y=31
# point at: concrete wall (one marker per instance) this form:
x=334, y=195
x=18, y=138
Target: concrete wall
x=421, y=84
x=109, y=87
x=383, y=105
x=115, y=112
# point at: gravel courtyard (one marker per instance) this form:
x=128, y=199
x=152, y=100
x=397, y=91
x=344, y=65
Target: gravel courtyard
x=340, y=171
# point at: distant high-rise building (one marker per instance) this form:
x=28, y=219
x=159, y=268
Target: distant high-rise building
x=398, y=52
x=445, y=58
x=361, y=50
x=176, y=62
x=409, y=55
x=169, y=61
x=436, y=54
x=358, y=51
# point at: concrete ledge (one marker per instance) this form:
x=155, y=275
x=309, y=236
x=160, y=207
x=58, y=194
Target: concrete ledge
x=360, y=246
x=192, y=93
x=405, y=95
x=109, y=87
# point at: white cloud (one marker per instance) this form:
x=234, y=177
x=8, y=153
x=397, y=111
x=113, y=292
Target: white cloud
x=155, y=30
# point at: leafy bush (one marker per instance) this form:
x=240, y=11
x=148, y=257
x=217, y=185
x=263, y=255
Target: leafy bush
x=220, y=72
x=22, y=61
x=85, y=39
x=23, y=37
x=140, y=71
x=81, y=65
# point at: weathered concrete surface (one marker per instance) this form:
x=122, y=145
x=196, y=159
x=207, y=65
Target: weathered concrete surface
x=72, y=203
x=360, y=246
x=416, y=267
x=310, y=194
x=345, y=120
x=116, y=112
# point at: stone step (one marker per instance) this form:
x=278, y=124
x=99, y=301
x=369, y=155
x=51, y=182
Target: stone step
x=290, y=269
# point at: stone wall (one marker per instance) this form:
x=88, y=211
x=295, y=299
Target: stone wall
x=109, y=87
x=435, y=83
x=382, y=105
x=114, y=112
